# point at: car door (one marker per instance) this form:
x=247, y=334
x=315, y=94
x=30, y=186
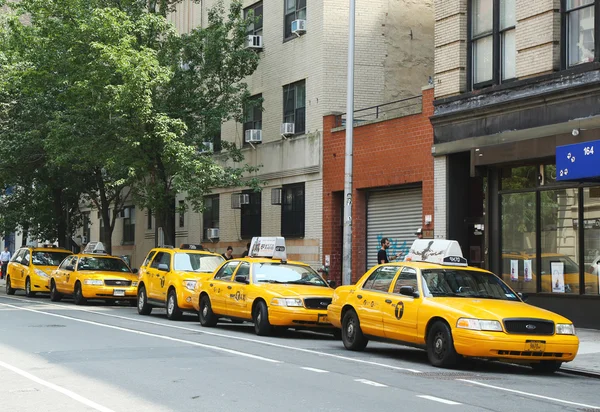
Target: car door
x=221, y=287
x=370, y=299
x=71, y=276
x=158, y=284
x=15, y=269
x=400, y=311
x=25, y=263
x=237, y=303
x=60, y=274
x=144, y=272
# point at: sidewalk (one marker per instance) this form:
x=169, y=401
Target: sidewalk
x=588, y=358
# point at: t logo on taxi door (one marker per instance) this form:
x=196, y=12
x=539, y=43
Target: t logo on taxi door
x=399, y=310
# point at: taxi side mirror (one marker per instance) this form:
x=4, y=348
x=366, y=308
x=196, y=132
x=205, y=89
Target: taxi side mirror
x=164, y=267
x=409, y=291
x=332, y=283
x=135, y=271
x=70, y=267
x=242, y=279
x=523, y=296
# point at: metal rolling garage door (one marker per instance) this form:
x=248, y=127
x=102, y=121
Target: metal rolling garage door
x=393, y=214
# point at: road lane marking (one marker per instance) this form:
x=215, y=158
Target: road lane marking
x=155, y=335
x=368, y=382
x=533, y=395
x=57, y=388
x=433, y=398
x=313, y=369
x=223, y=335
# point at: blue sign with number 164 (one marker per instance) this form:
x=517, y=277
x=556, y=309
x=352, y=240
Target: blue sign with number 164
x=580, y=161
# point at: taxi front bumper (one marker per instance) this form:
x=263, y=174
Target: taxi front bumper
x=109, y=292
x=184, y=300
x=298, y=316
x=40, y=284
x=500, y=345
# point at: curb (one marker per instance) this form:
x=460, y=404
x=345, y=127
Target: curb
x=580, y=372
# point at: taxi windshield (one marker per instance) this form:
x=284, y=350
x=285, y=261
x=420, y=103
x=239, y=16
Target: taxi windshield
x=42, y=258
x=465, y=284
x=103, y=264
x=196, y=262
x=286, y=273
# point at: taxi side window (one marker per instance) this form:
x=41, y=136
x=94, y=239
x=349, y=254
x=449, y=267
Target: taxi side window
x=19, y=256
x=226, y=271
x=149, y=257
x=408, y=277
x=244, y=270
x=381, y=279
x=72, y=262
x=66, y=262
x=26, y=258
x=161, y=258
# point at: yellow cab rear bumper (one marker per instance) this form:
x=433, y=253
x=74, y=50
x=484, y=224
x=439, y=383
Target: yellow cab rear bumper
x=298, y=316
x=108, y=292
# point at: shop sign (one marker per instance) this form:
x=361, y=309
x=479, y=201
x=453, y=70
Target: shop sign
x=580, y=161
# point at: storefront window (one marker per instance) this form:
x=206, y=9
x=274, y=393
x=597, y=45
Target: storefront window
x=591, y=236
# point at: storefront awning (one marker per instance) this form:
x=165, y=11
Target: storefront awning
x=578, y=162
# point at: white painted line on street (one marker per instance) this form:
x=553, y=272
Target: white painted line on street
x=313, y=369
x=57, y=388
x=533, y=395
x=154, y=335
x=433, y=398
x=368, y=382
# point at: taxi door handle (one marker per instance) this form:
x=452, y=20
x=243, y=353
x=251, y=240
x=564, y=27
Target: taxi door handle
x=211, y=285
x=388, y=301
x=157, y=275
x=359, y=296
x=228, y=287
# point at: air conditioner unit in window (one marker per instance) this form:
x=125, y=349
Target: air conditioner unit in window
x=287, y=129
x=206, y=147
x=276, y=196
x=212, y=233
x=239, y=199
x=253, y=136
x=299, y=27
x=254, y=42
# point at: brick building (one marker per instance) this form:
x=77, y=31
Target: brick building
x=393, y=185
x=514, y=81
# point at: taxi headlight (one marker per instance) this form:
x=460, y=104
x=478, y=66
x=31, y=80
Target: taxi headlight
x=134, y=284
x=41, y=273
x=479, y=324
x=189, y=284
x=287, y=302
x=96, y=282
x=565, y=329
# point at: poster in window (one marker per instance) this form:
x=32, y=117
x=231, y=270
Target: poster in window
x=514, y=270
x=527, y=270
x=558, y=277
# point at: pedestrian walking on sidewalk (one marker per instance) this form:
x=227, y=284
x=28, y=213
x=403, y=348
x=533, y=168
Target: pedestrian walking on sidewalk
x=4, y=258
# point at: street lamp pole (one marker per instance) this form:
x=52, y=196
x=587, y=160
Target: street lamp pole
x=347, y=242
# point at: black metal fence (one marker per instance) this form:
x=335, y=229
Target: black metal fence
x=402, y=107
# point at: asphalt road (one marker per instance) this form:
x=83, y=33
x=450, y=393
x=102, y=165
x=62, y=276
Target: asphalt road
x=61, y=357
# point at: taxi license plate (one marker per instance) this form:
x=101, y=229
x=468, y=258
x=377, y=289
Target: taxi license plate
x=323, y=319
x=118, y=292
x=535, y=346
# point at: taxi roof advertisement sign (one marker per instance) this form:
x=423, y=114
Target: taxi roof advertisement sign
x=440, y=251
x=579, y=161
x=268, y=247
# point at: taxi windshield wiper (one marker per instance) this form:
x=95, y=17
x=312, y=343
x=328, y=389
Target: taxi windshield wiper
x=304, y=282
x=271, y=281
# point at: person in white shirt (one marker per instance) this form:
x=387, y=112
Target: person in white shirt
x=4, y=258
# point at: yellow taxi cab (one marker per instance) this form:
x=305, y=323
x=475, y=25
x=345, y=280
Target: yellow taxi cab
x=94, y=274
x=434, y=301
x=30, y=268
x=168, y=276
x=267, y=289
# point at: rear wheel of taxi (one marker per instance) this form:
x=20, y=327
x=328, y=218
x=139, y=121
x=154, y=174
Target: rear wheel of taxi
x=55, y=295
x=546, y=366
x=440, y=346
x=352, y=335
x=28, y=291
x=173, y=311
x=260, y=316
x=9, y=289
x=142, y=302
x=78, y=295
x=206, y=315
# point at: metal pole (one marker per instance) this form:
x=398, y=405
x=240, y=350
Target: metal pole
x=347, y=243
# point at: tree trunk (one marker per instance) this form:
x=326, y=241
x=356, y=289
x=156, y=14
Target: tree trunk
x=165, y=218
x=59, y=214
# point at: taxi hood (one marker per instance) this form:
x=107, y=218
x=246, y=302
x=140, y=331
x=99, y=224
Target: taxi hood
x=287, y=290
x=108, y=275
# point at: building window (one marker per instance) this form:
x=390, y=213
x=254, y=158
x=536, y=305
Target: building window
x=580, y=31
x=253, y=114
x=294, y=10
x=294, y=105
x=149, y=221
x=181, y=211
x=210, y=216
x=129, y=224
x=256, y=27
x=492, y=42
x=251, y=215
x=292, y=211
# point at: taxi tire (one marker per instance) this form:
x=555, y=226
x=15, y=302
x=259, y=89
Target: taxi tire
x=355, y=339
x=207, y=319
x=28, y=291
x=546, y=367
x=78, y=295
x=174, y=313
x=142, y=302
x=9, y=289
x=55, y=295
x=260, y=316
x=440, y=346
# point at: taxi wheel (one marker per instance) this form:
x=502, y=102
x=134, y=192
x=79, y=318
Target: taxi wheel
x=9, y=289
x=78, y=295
x=262, y=327
x=173, y=311
x=546, y=366
x=206, y=315
x=440, y=346
x=55, y=296
x=28, y=291
x=142, y=302
x=352, y=335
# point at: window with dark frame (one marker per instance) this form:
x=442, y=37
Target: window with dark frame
x=292, y=210
x=492, y=47
x=129, y=224
x=210, y=216
x=294, y=10
x=255, y=28
x=579, y=31
x=253, y=114
x=251, y=215
x=294, y=105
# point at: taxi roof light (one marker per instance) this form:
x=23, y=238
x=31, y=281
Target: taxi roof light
x=441, y=251
x=191, y=246
x=268, y=247
x=95, y=248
